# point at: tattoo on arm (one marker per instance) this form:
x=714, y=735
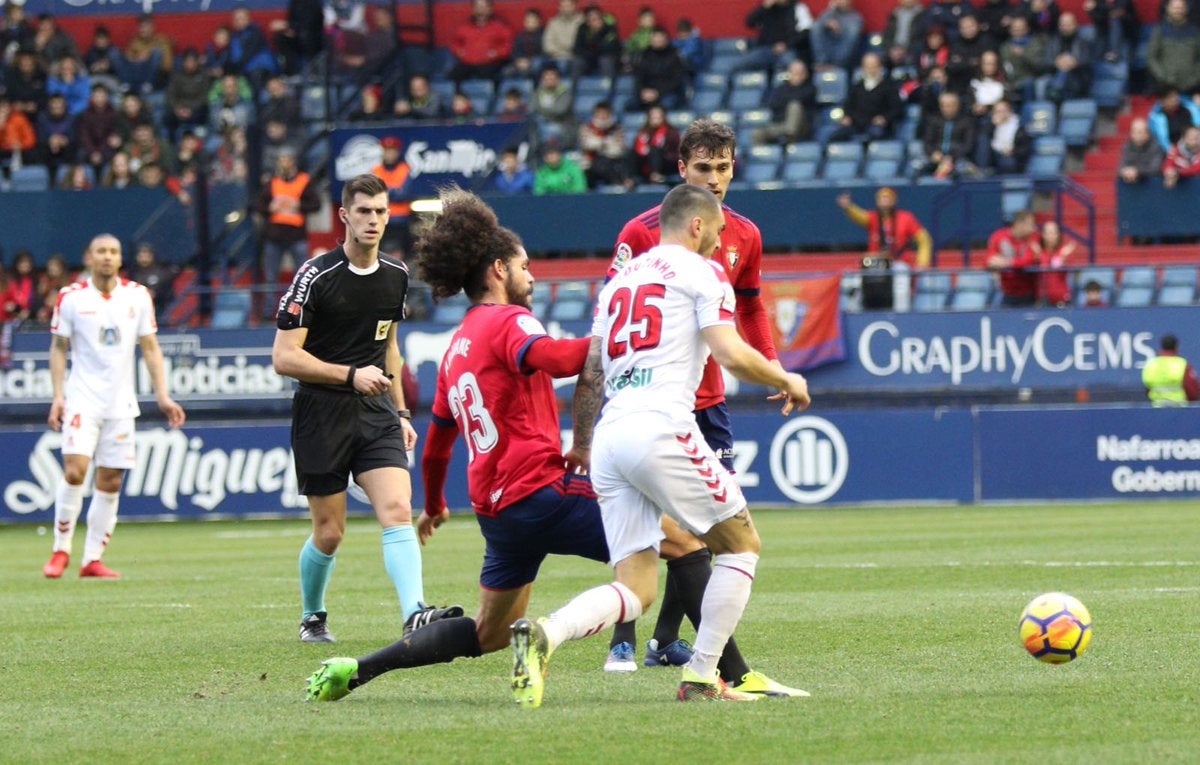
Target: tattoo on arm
x=589, y=394
x=61, y=343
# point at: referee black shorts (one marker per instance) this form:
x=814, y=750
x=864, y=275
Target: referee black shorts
x=336, y=434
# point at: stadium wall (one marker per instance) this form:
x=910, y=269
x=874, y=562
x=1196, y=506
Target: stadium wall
x=981, y=454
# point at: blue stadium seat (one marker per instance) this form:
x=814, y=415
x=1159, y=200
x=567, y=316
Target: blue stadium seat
x=1109, y=94
x=741, y=99
x=885, y=150
x=1177, y=294
x=593, y=84
x=681, y=118
x=541, y=297
x=1179, y=275
x=723, y=63
x=482, y=90
x=929, y=301
x=804, y=151
x=915, y=151
x=708, y=101
x=769, y=154
x=795, y=171
x=932, y=281
x=748, y=81
x=1134, y=297
x=972, y=291
x=1138, y=276
x=842, y=161
x=712, y=81
x=754, y=118
x=584, y=105
x=1077, y=120
x=884, y=160
x=312, y=102
x=632, y=122
x=728, y=46
x=1179, y=286
x=623, y=88
x=1039, y=118
x=30, y=178
x=722, y=116
x=231, y=309
x=832, y=86
x=759, y=172
x=1049, y=155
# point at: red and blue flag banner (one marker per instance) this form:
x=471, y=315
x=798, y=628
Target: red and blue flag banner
x=806, y=321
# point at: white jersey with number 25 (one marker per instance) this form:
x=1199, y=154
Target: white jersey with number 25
x=649, y=318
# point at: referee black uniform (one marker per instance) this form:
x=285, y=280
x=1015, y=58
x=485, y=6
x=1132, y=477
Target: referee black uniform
x=348, y=313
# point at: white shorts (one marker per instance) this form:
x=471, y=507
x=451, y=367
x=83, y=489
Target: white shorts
x=109, y=443
x=648, y=465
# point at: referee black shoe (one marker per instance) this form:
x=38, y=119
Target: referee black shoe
x=314, y=629
x=426, y=615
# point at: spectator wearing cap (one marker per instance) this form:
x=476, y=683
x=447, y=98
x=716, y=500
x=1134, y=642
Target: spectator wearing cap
x=394, y=172
x=187, y=94
x=284, y=202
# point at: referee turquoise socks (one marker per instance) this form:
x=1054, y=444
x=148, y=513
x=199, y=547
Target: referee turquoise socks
x=315, y=570
x=402, y=559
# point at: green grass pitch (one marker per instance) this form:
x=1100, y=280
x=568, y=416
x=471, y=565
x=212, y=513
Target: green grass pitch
x=902, y=622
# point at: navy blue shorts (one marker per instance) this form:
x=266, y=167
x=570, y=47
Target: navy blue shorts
x=718, y=433
x=562, y=518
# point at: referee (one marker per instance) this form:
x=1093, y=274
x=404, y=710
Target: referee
x=337, y=336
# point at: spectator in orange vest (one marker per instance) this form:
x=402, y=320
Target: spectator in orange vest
x=394, y=172
x=284, y=201
x=16, y=132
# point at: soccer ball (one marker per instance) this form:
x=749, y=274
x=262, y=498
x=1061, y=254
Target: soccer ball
x=1055, y=628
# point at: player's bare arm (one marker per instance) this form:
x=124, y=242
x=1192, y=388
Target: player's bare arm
x=291, y=360
x=152, y=355
x=394, y=362
x=59, y=348
x=589, y=395
x=749, y=365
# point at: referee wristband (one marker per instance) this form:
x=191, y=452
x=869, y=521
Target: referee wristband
x=350, y=376
x=406, y=414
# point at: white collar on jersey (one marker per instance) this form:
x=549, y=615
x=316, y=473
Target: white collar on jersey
x=362, y=271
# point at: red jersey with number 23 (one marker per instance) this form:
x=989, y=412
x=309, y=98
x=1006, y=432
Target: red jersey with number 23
x=507, y=414
x=740, y=254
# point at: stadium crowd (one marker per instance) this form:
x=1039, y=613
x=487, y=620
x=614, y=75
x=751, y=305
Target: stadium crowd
x=949, y=89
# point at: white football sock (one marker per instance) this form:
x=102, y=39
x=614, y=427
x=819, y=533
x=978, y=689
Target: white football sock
x=592, y=612
x=101, y=519
x=725, y=599
x=67, y=504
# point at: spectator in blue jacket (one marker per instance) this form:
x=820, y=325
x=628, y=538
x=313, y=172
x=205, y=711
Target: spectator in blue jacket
x=1171, y=116
x=511, y=176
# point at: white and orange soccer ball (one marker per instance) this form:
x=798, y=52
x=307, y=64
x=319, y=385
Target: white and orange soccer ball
x=1055, y=628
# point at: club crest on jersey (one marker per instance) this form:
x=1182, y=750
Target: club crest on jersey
x=624, y=254
x=110, y=336
x=731, y=255
x=381, y=329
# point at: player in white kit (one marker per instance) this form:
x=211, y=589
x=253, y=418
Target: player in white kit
x=98, y=323
x=656, y=322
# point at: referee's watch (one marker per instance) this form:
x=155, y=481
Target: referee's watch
x=405, y=413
